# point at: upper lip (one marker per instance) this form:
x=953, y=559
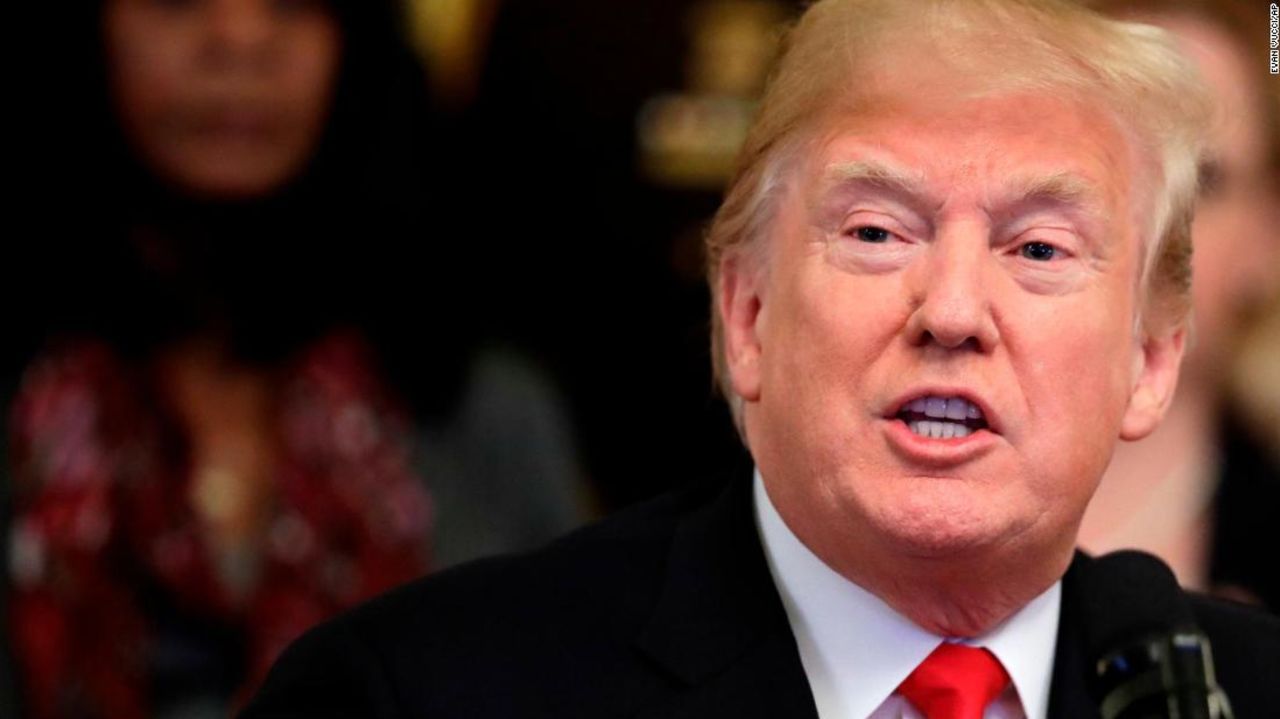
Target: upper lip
x=988, y=414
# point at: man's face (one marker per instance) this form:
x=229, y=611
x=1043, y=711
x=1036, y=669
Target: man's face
x=939, y=352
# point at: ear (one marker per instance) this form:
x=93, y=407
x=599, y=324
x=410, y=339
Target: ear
x=740, y=309
x=1156, y=363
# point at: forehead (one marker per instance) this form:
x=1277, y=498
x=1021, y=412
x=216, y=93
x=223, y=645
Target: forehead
x=953, y=147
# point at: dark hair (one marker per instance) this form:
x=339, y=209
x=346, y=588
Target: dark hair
x=346, y=242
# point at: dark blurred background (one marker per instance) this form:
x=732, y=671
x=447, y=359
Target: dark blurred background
x=308, y=297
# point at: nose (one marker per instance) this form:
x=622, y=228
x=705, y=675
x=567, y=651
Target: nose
x=952, y=293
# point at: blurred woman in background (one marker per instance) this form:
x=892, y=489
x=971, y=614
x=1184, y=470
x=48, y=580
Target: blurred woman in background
x=204, y=460
x=1203, y=491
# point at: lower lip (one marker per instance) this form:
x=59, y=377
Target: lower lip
x=234, y=125
x=937, y=452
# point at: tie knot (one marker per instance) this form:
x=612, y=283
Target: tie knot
x=955, y=682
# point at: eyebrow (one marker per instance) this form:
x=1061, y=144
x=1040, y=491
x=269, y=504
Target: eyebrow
x=1061, y=188
x=1064, y=189
x=887, y=177
x=905, y=186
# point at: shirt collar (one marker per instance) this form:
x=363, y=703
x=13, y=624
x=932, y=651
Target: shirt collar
x=856, y=649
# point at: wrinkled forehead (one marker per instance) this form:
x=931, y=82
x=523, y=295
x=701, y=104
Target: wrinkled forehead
x=936, y=134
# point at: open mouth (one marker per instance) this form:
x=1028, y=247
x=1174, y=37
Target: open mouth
x=935, y=417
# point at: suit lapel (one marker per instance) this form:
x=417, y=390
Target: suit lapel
x=719, y=627
x=1069, y=695
x=721, y=631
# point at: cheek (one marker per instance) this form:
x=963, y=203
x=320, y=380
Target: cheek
x=314, y=50
x=834, y=326
x=148, y=65
x=816, y=365
x=1077, y=389
x=1233, y=265
x=1216, y=256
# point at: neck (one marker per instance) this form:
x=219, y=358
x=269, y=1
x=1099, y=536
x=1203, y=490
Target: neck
x=962, y=596
x=1187, y=432
x=1160, y=471
x=962, y=593
x=1138, y=468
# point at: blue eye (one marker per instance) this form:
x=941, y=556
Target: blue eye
x=872, y=234
x=1038, y=251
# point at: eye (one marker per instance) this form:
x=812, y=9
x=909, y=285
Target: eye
x=1038, y=251
x=871, y=233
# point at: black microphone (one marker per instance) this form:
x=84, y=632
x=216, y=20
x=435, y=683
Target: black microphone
x=1151, y=659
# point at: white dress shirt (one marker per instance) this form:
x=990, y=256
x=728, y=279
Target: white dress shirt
x=856, y=650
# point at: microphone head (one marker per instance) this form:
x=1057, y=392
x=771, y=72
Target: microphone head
x=1126, y=597
x=1150, y=659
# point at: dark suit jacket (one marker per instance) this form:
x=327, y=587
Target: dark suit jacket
x=667, y=610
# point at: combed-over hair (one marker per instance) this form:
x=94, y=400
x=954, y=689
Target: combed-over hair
x=1131, y=70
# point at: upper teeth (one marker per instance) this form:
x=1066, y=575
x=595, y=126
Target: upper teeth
x=954, y=408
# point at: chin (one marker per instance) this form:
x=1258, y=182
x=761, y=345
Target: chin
x=234, y=184
x=948, y=521
x=219, y=172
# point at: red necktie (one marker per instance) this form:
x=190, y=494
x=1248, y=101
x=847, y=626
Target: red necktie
x=955, y=682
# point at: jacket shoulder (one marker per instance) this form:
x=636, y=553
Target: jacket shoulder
x=523, y=622
x=609, y=560
x=1245, y=642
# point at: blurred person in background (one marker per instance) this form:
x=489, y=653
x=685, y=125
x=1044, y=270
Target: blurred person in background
x=201, y=468
x=205, y=457
x=1256, y=382
x=1202, y=492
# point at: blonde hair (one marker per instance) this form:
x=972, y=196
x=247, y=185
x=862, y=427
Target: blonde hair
x=1037, y=45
